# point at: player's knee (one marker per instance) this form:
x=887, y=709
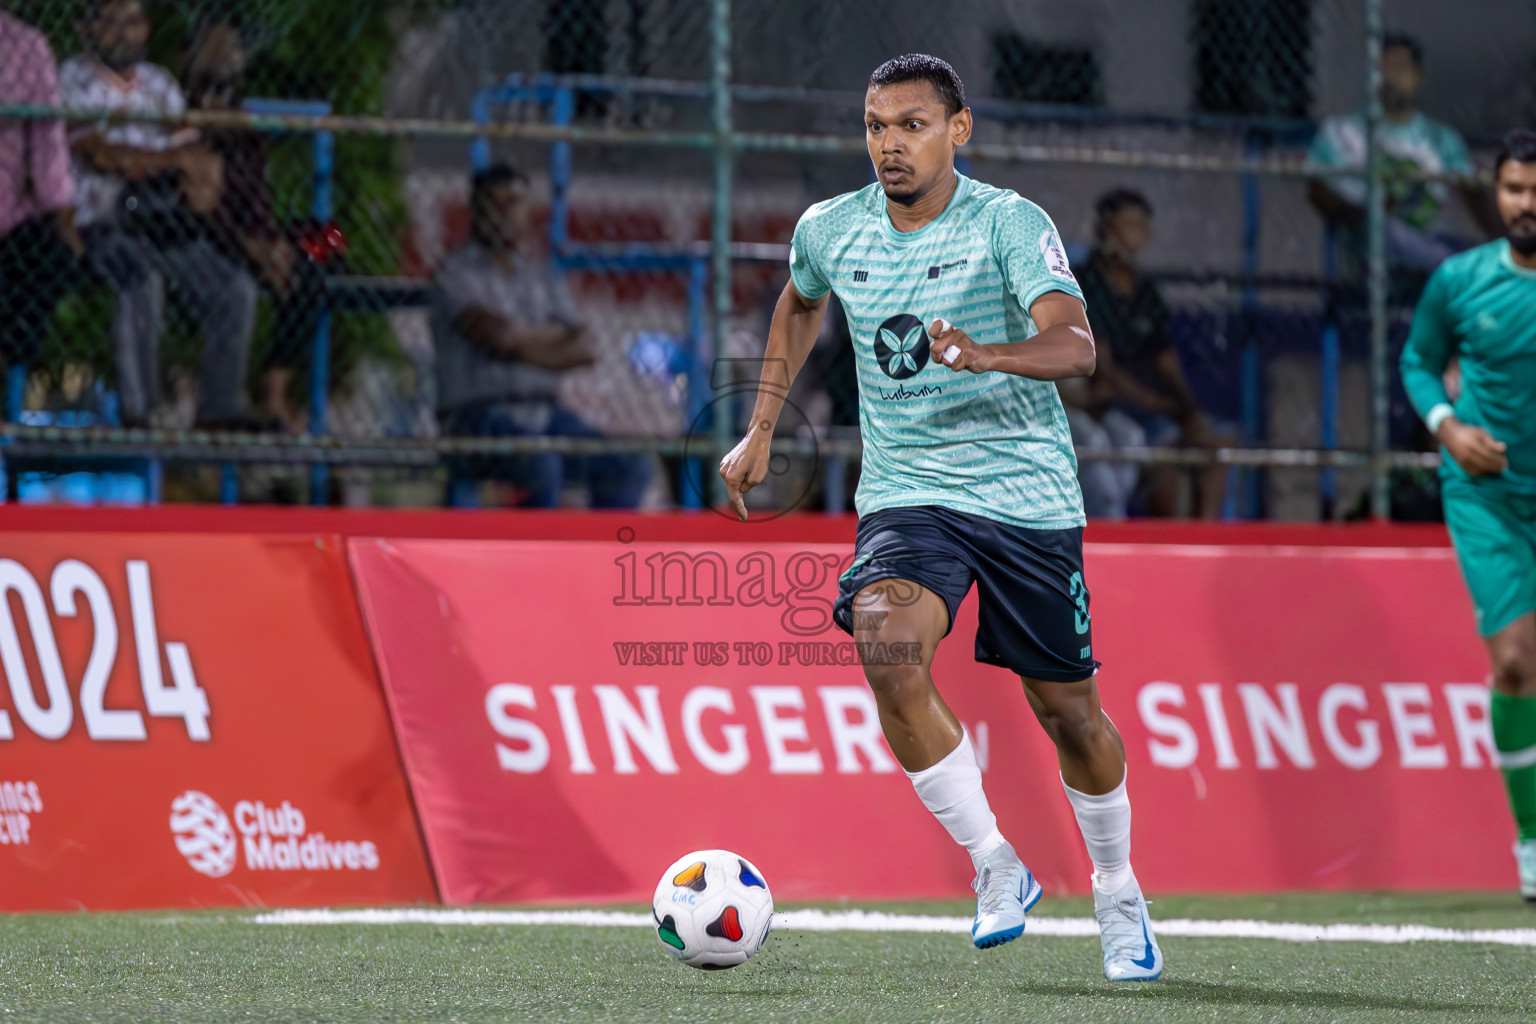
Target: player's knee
x=1073, y=728
x=1514, y=670
x=896, y=684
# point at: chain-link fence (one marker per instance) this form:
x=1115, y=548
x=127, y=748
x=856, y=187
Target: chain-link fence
x=257, y=290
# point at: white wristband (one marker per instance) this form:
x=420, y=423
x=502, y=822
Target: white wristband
x=1437, y=415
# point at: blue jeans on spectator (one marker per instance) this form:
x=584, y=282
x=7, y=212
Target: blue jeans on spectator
x=615, y=481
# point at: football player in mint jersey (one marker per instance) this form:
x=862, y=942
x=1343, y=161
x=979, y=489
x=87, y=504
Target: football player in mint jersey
x=1480, y=307
x=963, y=311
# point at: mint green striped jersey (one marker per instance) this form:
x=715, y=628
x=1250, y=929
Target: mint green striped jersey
x=1480, y=306
x=990, y=444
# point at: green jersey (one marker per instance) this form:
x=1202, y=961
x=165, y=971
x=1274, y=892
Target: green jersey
x=989, y=444
x=1415, y=145
x=1480, y=306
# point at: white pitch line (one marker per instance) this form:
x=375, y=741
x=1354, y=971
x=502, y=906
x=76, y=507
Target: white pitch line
x=875, y=921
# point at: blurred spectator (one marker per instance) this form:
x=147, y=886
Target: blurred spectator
x=1108, y=487
x=39, y=245
x=1417, y=236
x=1138, y=395
x=504, y=329
x=242, y=227
x=144, y=193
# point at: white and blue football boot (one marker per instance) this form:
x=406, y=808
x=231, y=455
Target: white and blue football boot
x=1005, y=891
x=1131, y=952
x=1525, y=857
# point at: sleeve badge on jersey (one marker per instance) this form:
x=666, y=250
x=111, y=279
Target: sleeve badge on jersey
x=1055, y=257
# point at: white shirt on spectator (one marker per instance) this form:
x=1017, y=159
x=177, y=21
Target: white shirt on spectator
x=86, y=84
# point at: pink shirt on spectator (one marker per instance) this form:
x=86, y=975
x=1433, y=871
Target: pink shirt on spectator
x=29, y=76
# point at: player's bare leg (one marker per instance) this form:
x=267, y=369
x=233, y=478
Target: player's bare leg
x=918, y=724
x=1088, y=747
x=1512, y=651
x=1092, y=759
x=935, y=750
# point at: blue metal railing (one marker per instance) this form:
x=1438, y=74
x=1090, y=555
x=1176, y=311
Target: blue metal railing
x=320, y=208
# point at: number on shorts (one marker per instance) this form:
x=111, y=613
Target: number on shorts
x=1080, y=598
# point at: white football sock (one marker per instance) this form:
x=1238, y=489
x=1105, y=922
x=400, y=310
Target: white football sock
x=1106, y=824
x=952, y=790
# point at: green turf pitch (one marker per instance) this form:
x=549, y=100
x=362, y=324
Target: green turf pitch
x=225, y=967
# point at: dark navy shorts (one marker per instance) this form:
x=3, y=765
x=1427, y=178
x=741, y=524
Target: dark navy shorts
x=1033, y=602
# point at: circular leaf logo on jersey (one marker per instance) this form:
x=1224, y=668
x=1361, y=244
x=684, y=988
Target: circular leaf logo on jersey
x=203, y=833
x=901, y=346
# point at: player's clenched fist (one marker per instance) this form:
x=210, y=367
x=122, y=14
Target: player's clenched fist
x=955, y=349
x=1474, y=449
x=745, y=466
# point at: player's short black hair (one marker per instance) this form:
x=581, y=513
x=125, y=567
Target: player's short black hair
x=1518, y=145
x=1412, y=45
x=494, y=176
x=920, y=67
x=1115, y=200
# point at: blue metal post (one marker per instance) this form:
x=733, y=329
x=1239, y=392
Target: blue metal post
x=15, y=392
x=320, y=368
x=562, y=113
x=320, y=210
x=1328, y=374
x=15, y=398
x=480, y=149
x=692, y=484
x=229, y=484
x=835, y=485
x=1252, y=366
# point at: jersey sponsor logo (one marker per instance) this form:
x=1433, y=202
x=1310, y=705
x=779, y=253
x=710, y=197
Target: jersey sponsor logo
x=944, y=268
x=860, y=276
x=901, y=346
x=904, y=394
x=1055, y=257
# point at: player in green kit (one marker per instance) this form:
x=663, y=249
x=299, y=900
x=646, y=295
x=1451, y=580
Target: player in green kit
x=1480, y=306
x=963, y=311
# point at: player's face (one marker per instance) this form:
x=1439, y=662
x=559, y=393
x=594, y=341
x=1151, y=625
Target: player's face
x=1517, y=204
x=1401, y=78
x=911, y=138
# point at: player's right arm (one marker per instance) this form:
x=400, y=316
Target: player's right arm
x=795, y=328
x=1432, y=342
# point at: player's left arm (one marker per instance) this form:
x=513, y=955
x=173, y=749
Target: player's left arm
x=1432, y=342
x=1063, y=347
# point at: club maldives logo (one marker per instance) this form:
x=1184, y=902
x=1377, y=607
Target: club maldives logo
x=203, y=834
x=901, y=346
x=273, y=838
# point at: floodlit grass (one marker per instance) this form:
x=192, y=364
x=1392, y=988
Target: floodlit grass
x=226, y=967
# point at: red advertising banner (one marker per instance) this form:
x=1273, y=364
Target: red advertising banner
x=574, y=714
x=193, y=721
